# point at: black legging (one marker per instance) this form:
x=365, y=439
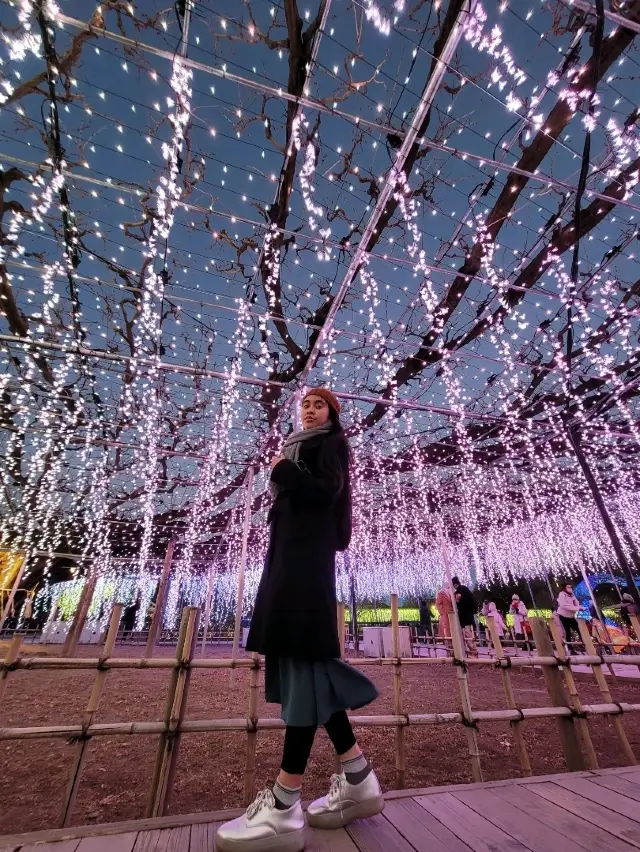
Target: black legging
x=298, y=742
x=568, y=625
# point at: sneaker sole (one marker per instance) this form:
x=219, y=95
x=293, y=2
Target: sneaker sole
x=292, y=841
x=338, y=819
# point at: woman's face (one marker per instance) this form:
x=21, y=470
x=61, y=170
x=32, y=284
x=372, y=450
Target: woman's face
x=568, y=589
x=315, y=412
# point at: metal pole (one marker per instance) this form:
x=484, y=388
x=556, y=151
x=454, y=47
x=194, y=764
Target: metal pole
x=158, y=612
x=390, y=184
x=186, y=21
x=207, y=608
x=353, y=602
x=241, y=570
x=583, y=571
x=212, y=571
x=585, y=577
x=533, y=600
x=550, y=587
x=598, y=499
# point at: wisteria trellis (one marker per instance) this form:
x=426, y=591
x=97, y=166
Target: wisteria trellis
x=179, y=212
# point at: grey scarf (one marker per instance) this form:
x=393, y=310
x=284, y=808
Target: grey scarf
x=291, y=447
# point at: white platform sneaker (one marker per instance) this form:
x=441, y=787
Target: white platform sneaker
x=346, y=802
x=263, y=828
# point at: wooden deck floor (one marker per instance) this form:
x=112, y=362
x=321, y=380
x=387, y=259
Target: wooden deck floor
x=598, y=811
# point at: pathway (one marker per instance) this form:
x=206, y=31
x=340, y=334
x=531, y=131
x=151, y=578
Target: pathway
x=596, y=811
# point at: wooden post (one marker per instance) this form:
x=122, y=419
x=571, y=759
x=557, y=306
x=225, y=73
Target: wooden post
x=12, y=655
x=581, y=722
x=82, y=745
x=167, y=756
x=158, y=612
x=558, y=696
x=459, y=659
x=606, y=694
x=252, y=731
x=241, y=571
x=397, y=693
x=341, y=630
x=80, y=615
x=521, y=747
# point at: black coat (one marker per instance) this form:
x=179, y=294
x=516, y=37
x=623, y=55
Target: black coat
x=295, y=614
x=467, y=606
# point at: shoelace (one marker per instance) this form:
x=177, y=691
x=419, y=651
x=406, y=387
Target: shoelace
x=336, y=787
x=264, y=797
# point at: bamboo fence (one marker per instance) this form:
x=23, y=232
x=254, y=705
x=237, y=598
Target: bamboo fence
x=550, y=657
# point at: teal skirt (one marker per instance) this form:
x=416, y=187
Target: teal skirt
x=311, y=692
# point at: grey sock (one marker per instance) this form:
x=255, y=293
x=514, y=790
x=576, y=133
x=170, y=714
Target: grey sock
x=356, y=769
x=285, y=797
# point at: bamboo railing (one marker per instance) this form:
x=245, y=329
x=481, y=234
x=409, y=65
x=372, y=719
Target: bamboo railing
x=550, y=657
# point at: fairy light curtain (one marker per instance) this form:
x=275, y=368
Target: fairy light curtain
x=183, y=193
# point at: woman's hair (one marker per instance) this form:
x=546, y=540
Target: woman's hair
x=565, y=586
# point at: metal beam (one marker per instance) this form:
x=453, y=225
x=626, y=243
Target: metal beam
x=614, y=17
x=391, y=181
x=356, y=120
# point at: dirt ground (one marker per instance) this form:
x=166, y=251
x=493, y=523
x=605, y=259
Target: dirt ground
x=115, y=781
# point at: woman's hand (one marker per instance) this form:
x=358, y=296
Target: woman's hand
x=276, y=460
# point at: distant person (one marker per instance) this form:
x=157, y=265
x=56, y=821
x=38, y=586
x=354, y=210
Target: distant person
x=498, y=620
x=520, y=614
x=445, y=608
x=627, y=609
x=425, y=617
x=467, y=611
x=568, y=608
x=130, y=616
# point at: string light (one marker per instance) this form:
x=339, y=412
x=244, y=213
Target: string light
x=174, y=326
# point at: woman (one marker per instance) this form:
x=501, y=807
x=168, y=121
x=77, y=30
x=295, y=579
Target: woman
x=445, y=608
x=295, y=626
x=520, y=614
x=627, y=609
x=498, y=620
x=568, y=607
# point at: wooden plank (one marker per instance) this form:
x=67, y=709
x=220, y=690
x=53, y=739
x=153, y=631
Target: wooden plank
x=328, y=841
x=618, y=784
x=61, y=846
x=631, y=773
x=212, y=828
x=115, y=843
x=175, y=839
x=199, y=841
x=614, y=824
x=147, y=841
x=563, y=822
x=533, y=833
x=477, y=832
x=377, y=835
x=613, y=801
x=392, y=795
x=52, y=835
x=423, y=831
